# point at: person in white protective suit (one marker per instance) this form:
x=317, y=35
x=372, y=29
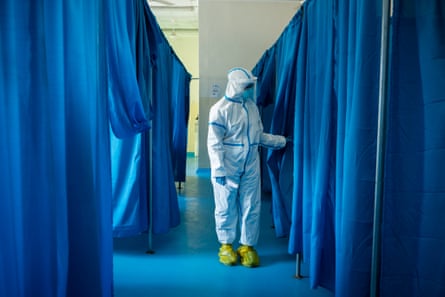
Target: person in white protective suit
x=234, y=135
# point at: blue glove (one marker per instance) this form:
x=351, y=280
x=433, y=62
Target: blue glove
x=221, y=180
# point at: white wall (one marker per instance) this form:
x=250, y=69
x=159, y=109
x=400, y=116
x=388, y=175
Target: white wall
x=233, y=33
x=186, y=47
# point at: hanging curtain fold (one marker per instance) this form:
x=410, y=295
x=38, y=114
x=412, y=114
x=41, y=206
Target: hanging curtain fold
x=357, y=80
x=165, y=205
x=264, y=70
x=128, y=44
x=337, y=79
x=180, y=110
x=335, y=95
x=296, y=228
x=162, y=84
x=55, y=219
x=315, y=123
x=165, y=208
x=276, y=86
x=129, y=107
x=302, y=188
x=413, y=233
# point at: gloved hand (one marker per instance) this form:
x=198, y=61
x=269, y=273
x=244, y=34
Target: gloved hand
x=221, y=180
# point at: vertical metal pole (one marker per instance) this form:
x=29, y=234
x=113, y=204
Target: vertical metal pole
x=381, y=143
x=150, y=191
x=298, y=264
x=150, y=183
x=150, y=194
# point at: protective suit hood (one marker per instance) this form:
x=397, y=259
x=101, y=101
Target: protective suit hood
x=239, y=79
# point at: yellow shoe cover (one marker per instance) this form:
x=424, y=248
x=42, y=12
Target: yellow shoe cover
x=227, y=255
x=249, y=256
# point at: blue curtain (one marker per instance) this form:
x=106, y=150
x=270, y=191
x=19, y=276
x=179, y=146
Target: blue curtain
x=264, y=70
x=130, y=79
x=126, y=42
x=160, y=83
x=166, y=126
x=280, y=162
x=358, y=51
x=165, y=204
x=180, y=109
x=315, y=144
x=302, y=175
x=55, y=218
x=413, y=261
x=69, y=71
x=335, y=131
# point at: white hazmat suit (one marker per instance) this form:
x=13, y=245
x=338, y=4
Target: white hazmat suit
x=234, y=134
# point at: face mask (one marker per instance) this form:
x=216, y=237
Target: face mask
x=248, y=94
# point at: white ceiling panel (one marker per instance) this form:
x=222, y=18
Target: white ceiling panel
x=183, y=15
x=176, y=14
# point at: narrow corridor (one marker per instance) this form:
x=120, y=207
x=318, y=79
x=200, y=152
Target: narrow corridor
x=185, y=261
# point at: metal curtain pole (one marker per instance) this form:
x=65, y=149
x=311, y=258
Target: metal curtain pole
x=150, y=193
x=298, y=267
x=381, y=142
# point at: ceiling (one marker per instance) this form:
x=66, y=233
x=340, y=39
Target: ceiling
x=182, y=15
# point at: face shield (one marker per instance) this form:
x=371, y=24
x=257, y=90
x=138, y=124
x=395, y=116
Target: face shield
x=241, y=84
x=250, y=91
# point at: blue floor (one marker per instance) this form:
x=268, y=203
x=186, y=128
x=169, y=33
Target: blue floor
x=185, y=261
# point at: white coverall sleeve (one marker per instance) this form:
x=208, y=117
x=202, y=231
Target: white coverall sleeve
x=271, y=141
x=215, y=145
